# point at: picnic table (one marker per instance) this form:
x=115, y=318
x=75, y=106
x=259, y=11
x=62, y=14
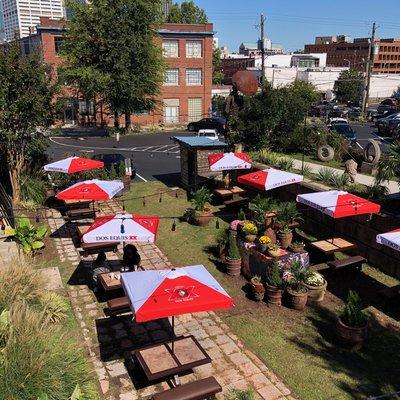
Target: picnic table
x=159, y=361
x=72, y=204
x=110, y=281
x=331, y=246
x=233, y=192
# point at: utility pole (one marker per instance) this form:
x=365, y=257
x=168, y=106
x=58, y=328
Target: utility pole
x=262, y=35
x=368, y=71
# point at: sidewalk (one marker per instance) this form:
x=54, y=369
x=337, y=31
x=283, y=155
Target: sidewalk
x=109, y=341
x=363, y=179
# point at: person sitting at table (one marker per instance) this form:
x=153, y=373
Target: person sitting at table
x=100, y=266
x=131, y=258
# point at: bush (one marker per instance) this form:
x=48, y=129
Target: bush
x=352, y=314
x=33, y=189
x=28, y=236
x=240, y=395
x=38, y=359
x=272, y=159
x=55, y=307
x=233, y=250
x=274, y=276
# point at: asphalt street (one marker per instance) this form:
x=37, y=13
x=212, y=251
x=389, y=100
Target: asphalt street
x=155, y=155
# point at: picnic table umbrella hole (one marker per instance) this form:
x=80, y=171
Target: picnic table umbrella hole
x=171, y=292
x=73, y=164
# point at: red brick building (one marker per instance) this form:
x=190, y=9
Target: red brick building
x=186, y=92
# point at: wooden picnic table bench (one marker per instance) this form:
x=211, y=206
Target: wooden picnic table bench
x=96, y=248
x=119, y=305
x=199, y=390
x=242, y=201
x=354, y=262
x=80, y=213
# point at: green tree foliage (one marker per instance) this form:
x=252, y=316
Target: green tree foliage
x=187, y=13
x=389, y=167
x=271, y=115
x=110, y=51
x=349, y=86
x=26, y=92
x=217, y=74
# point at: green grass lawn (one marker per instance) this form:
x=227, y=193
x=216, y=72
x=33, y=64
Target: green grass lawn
x=298, y=346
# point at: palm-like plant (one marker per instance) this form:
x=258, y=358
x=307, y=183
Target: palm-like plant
x=200, y=198
x=389, y=167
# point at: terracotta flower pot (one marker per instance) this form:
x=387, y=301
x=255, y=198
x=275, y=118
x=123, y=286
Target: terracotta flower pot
x=285, y=238
x=269, y=219
x=315, y=293
x=274, y=294
x=271, y=234
x=274, y=253
x=250, y=238
x=353, y=336
x=202, y=219
x=233, y=266
x=297, y=300
x=297, y=248
x=258, y=290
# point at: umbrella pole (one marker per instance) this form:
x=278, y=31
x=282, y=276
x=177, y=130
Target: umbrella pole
x=173, y=334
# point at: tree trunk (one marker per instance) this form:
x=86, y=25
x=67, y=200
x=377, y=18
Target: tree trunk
x=128, y=122
x=101, y=114
x=116, y=119
x=15, y=179
x=94, y=112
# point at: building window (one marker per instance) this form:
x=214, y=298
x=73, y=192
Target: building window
x=193, y=77
x=194, y=109
x=171, y=111
x=170, y=48
x=58, y=42
x=171, y=77
x=193, y=49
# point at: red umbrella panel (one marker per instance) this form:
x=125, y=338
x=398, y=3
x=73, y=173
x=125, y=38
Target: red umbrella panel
x=74, y=164
x=228, y=161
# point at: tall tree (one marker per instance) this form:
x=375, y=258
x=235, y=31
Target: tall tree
x=217, y=74
x=349, y=86
x=187, y=13
x=26, y=95
x=113, y=43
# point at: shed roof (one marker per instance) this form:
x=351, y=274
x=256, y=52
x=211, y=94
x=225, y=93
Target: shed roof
x=195, y=141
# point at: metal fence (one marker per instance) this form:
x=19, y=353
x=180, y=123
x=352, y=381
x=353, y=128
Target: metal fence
x=6, y=209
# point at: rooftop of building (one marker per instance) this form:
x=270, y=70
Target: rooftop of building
x=200, y=142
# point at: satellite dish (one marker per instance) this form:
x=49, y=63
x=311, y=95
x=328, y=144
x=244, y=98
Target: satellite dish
x=245, y=82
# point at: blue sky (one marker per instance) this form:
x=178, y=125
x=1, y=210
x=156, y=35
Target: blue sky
x=293, y=23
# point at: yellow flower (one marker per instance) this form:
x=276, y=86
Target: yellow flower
x=265, y=240
x=250, y=228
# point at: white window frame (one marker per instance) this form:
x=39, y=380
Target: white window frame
x=191, y=77
x=171, y=82
x=167, y=46
x=192, y=50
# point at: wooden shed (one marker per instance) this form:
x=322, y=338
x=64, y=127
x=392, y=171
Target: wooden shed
x=194, y=153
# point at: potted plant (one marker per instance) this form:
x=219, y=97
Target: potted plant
x=297, y=292
x=233, y=259
x=288, y=214
x=273, y=286
x=316, y=285
x=352, y=324
x=285, y=236
x=264, y=207
x=263, y=243
x=274, y=250
x=222, y=238
x=297, y=247
x=200, y=214
x=250, y=231
x=257, y=288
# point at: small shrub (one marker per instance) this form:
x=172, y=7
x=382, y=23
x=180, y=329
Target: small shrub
x=240, y=395
x=274, y=276
x=200, y=198
x=233, y=250
x=377, y=192
x=33, y=189
x=325, y=175
x=55, y=307
x=307, y=171
x=340, y=181
x=353, y=314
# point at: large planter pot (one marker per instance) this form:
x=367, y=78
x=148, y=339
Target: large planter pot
x=258, y=290
x=297, y=300
x=273, y=294
x=233, y=267
x=202, y=219
x=315, y=293
x=250, y=238
x=351, y=335
x=285, y=238
x=269, y=217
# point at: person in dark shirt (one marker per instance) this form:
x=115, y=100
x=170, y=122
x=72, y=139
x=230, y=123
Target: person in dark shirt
x=131, y=257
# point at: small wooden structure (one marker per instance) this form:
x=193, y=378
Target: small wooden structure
x=194, y=152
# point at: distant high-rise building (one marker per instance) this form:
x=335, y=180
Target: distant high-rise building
x=166, y=7
x=21, y=16
x=1, y=23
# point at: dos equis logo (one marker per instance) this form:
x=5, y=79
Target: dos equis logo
x=181, y=294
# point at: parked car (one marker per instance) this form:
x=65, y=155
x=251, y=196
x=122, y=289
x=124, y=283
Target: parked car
x=375, y=116
x=337, y=120
x=383, y=123
x=209, y=133
x=113, y=160
x=393, y=126
x=388, y=104
x=217, y=123
x=347, y=131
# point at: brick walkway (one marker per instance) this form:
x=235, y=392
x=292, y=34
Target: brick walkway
x=109, y=340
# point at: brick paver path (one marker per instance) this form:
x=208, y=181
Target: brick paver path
x=109, y=340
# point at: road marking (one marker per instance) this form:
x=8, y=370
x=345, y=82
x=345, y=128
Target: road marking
x=141, y=177
x=359, y=145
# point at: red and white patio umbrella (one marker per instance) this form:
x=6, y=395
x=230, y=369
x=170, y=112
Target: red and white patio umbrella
x=167, y=293
x=339, y=204
x=74, y=164
x=228, y=161
x=270, y=178
x=122, y=228
x=390, y=239
x=94, y=189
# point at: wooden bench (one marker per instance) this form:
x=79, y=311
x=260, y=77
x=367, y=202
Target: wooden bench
x=203, y=389
x=96, y=248
x=390, y=294
x=355, y=262
x=80, y=213
x=243, y=201
x=120, y=305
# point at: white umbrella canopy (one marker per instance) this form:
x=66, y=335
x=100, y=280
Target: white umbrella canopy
x=228, y=161
x=73, y=164
x=390, y=239
x=94, y=190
